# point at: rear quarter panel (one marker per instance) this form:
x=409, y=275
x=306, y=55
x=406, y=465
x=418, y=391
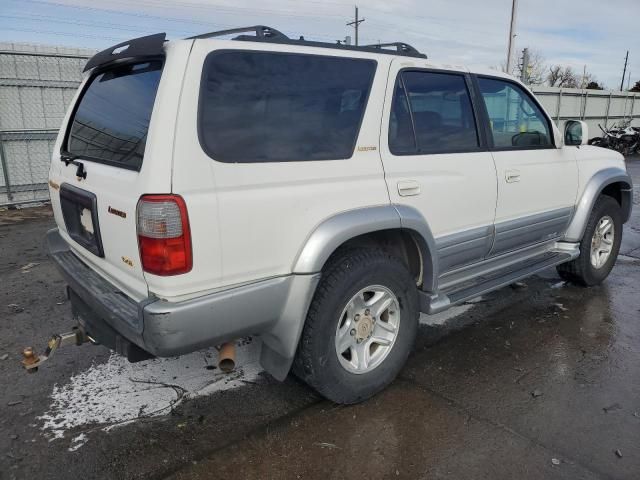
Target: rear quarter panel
x=250, y=221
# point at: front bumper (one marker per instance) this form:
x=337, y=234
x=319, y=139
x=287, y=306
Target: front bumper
x=275, y=307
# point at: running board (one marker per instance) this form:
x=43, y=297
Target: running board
x=431, y=304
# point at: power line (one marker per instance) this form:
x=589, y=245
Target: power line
x=150, y=16
x=138, y=14
x=66, y=34
x=160, y=3
x=101, y=25
x=183, y=4
x=129, y=14
x=186, y=21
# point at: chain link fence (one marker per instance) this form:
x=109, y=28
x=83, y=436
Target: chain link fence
x=37, y=85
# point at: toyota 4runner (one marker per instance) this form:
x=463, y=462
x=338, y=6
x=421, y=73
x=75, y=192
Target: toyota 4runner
x=319, y=196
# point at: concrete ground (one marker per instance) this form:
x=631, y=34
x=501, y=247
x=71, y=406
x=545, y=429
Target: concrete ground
x=534, y=382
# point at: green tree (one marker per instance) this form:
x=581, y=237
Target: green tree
x=636, y=87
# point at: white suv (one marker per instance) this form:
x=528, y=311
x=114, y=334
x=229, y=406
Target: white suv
x=320, y=196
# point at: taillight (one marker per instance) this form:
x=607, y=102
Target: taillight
x=164, y=238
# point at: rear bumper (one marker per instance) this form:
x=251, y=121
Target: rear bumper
x=110, y=317
x=275, y=308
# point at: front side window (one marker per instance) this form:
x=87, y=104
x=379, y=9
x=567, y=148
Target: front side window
x=278, y=107
x=515, y=119
x=112, y=118
x=431, y=113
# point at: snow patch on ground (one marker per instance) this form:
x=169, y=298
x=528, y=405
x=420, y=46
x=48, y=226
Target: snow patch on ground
x=443, y=317
x=78, y=442
x=118, y=392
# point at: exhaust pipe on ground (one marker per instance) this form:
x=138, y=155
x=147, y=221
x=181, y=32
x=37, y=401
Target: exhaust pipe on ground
x=227, y=357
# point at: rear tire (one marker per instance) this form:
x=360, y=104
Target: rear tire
x=360, y=328
x=599, y=246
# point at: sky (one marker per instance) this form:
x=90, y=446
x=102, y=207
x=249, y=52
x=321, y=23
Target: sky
x=470, y=32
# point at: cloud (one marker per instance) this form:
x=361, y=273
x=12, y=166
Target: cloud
x=472, y=32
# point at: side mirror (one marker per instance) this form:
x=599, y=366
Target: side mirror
x=576, y=132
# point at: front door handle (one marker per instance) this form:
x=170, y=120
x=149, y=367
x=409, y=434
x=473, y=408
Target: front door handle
x=512, y=176
x=407, y=188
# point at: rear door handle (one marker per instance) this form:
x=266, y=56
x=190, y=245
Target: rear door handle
x=512, y=176
x=407, y=188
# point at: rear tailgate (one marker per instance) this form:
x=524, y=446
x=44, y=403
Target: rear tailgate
x=119, y=137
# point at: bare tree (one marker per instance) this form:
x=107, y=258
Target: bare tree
x=560, y=76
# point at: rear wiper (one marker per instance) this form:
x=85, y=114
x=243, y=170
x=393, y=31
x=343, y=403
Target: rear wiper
x=68, y=158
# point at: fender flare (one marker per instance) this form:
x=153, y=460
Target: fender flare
x=596, y=184
x=280, y=342
x=337, y=229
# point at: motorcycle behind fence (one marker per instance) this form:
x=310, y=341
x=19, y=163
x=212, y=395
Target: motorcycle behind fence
x=624, y=139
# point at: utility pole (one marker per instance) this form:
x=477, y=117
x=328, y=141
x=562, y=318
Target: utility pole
x=356, y=23
x=512, y=35
x=624, y=72
x=524, y=73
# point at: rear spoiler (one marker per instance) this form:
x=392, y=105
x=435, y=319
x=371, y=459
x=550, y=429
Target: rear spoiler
x=143, y=47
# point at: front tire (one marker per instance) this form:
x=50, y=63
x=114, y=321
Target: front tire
x=360, y=328
x=599, y=246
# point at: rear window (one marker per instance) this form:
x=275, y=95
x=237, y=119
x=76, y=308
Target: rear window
x=111, y=120
x=279, y=107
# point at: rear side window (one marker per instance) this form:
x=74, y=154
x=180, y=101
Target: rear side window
x=111, y=120
x=279, y=107
x=431, y=113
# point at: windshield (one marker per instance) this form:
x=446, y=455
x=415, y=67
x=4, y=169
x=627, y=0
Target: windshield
x=112, y=118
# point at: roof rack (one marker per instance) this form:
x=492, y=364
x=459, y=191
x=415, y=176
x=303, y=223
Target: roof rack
x=262, y=33
x=271, y=35
x=400, y=47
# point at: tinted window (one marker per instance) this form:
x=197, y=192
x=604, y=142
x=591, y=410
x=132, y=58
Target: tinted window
x=274, y=107
x=112, y=118
x=516, y=121
x=401, y=136
x=440, y=107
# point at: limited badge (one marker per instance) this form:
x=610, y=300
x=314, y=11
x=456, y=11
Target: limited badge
x=117, y=212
